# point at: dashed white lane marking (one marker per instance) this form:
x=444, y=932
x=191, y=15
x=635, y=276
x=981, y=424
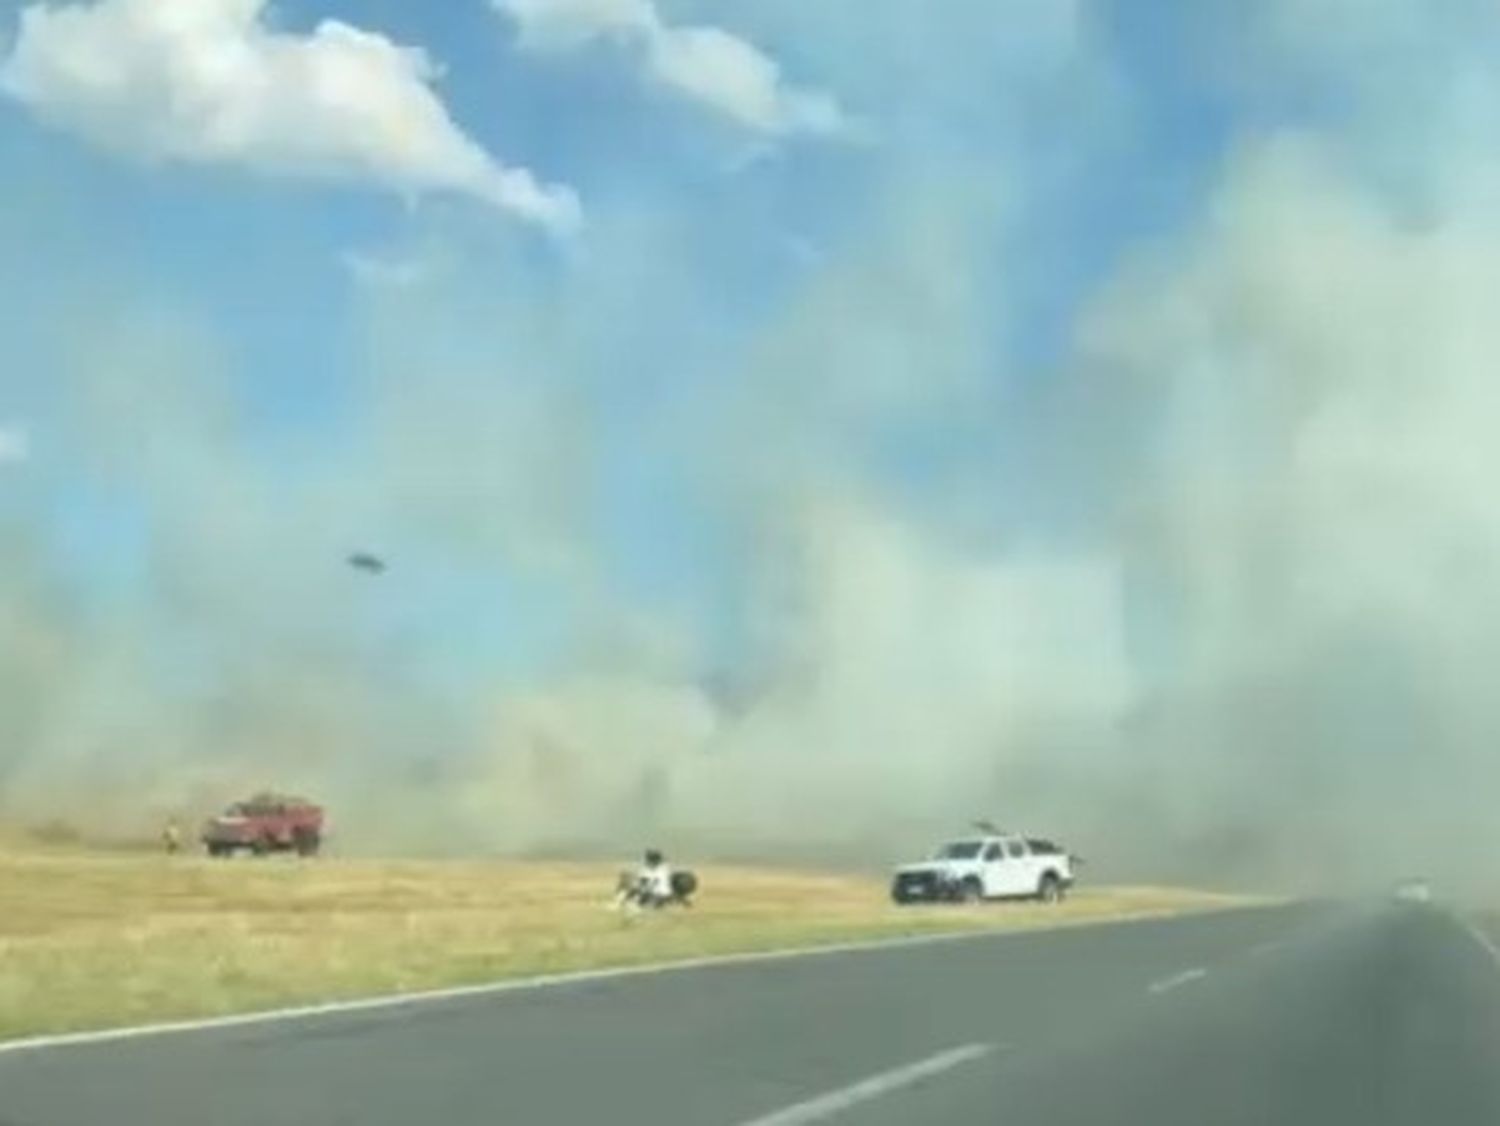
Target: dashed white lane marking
x=836, y=1102
x=1169, y=983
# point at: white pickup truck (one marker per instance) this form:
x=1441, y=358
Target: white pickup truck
x=1004, y=866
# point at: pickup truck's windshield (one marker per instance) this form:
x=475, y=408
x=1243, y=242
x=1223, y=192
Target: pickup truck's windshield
x=960, y=850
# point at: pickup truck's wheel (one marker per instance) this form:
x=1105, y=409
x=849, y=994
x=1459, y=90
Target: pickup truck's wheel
x=217, y=850
x=1050, y=890
x=970, y=890
x=306, y=842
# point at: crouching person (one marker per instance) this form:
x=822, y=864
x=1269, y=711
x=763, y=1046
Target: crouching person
x=650, y=885
x=655, y=884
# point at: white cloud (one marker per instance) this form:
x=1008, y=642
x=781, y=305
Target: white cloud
x=211, y=82
x=15, y=444
x=559, y=25
x=706, y=65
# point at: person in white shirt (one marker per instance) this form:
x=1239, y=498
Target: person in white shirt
x=654, y=880
x=651, y=885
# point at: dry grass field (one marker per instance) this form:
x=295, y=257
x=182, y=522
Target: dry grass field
x=92, y=940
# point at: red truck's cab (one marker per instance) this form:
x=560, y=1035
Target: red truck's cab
x=266, y=823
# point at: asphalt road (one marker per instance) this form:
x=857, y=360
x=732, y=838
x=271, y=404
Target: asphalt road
x=1320, y=1014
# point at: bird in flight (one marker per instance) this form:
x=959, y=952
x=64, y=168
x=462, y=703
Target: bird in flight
x=364, y=561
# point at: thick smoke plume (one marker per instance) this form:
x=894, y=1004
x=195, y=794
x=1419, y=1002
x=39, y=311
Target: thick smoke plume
x=1210, y=596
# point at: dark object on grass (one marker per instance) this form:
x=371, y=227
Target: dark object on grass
x=684, y=886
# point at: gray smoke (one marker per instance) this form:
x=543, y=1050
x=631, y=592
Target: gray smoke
x=1215, y=600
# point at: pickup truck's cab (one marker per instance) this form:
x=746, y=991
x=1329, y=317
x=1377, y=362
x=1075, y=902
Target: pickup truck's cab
x=986, y=867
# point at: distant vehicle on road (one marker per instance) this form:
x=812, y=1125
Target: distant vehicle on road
x=987, y=866
x=264, y=824
x=1413, y=891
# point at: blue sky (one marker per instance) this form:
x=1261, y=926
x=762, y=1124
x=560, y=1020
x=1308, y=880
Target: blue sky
x=1015, y=155
x=699, y=233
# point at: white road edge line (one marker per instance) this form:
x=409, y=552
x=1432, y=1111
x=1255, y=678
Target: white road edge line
x=1480, y=937
x=462, y=992
x=876, y=1086
x=1186, y=976
x=577, y=977
x=1268, y=947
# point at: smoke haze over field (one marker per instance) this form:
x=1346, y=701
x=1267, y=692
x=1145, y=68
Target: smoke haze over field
x=1104, y=447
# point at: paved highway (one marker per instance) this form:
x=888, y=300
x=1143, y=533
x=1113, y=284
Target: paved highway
x=1329, y=1015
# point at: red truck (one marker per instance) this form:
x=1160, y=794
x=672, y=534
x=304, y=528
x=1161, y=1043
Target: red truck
x=266, y=823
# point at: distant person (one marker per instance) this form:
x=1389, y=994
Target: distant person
x=650, y=885
x=171, y=838
x=656, y=878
